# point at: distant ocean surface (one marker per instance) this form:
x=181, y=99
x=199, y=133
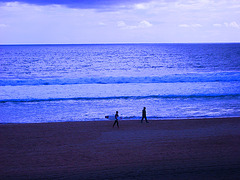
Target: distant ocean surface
x=57, y=83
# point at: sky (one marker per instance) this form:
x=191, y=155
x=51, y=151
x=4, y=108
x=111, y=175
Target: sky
x=119, y=21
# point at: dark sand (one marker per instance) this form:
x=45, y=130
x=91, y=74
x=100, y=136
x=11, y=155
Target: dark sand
x=170, y=149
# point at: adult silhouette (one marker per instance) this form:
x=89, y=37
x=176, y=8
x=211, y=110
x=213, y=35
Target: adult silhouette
x=116, y=119
x=144, y=115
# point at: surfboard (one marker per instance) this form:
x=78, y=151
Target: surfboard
x=112, y=117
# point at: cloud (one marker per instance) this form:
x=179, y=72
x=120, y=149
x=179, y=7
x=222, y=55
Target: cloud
x=144, y=24
x=3, y=25
x=233, y=24
x=184, y=25
x=190, y=25
x=141, y=24
x=121, y=24
x=140, y=6
x=101, y=24
x=81, y=4
x=217, y=25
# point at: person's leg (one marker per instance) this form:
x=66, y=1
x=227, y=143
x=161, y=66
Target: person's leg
x=146, y=119
x=117, y=124
x=114, y=123
x=142, y=120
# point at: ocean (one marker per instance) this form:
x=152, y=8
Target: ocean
x=58, y=83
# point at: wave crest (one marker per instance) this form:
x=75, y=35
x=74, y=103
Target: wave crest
x=126, y=97
x=173, y=78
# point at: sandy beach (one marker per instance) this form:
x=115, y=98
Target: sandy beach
x=167, y=149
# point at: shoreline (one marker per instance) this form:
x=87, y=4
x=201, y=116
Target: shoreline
x=167, y=149
x=149, y=119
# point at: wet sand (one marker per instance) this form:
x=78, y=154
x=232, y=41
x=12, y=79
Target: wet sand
x=168, y=149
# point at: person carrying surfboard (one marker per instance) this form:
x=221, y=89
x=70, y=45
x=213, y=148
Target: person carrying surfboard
x=116, y=119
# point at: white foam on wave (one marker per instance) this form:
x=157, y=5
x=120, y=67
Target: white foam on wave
x=172, y=78
x=117, y=91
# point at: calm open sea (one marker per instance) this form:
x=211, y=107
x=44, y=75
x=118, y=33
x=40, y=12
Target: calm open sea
x=54, y=83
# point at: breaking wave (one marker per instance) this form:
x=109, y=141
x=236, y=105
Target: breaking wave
x=173, y=78
x=125, y=97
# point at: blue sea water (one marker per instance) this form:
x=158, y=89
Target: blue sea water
x=55, y=83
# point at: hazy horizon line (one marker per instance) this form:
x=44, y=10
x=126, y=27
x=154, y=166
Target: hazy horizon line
x=117, y=43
